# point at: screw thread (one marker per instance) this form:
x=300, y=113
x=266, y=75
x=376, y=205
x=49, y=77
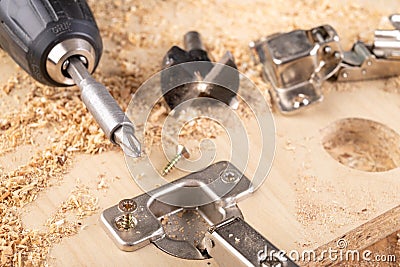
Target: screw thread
x=125, y=222
x=171, y=164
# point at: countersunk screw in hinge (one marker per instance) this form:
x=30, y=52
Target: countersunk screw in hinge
x=126, y=221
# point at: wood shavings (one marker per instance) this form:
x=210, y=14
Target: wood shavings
x=324, y=207
x=5, y=195
x=201, y=128
x=80, y=203
x=11, y=83
x=102, y=184
x=392, y=85
x=59, y=223
x=289, y=146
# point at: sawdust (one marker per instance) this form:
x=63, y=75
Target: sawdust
x=60, y=110
x=392, y=85
x=31, y=247
x=323, y=208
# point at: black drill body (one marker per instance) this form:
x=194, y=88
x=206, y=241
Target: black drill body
x=30, y=29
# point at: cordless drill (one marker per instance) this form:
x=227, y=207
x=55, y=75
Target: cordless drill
x=59, y=44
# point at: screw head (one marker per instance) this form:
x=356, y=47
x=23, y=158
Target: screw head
x=230, y=176
x=327, y=49
x=127, y=205
x=337, y=55
x=181, y=150
x=301, y=100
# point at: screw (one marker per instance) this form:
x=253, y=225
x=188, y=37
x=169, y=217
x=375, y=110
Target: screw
x=319, y=35
x=229, y=176
x=125, y=222
x=180, y=152
x=337, y=55
x=327, y=49
x=301, y=100
x=127, y=205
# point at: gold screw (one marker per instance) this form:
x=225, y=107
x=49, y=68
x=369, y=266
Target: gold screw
x=125, y=222
x=127, y=205
x=180, y=152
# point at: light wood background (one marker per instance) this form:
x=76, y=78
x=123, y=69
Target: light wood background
x=308, y=200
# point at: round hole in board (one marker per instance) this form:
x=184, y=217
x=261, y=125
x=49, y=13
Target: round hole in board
x=362, y=144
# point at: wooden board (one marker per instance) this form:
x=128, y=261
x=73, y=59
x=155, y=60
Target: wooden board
x=309, y=198
x=382, y=249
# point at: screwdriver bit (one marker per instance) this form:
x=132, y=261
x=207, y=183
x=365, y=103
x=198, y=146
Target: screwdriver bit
x=106, y=111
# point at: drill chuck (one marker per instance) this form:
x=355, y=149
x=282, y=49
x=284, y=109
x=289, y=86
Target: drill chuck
x=58, y=59
x=41, y=35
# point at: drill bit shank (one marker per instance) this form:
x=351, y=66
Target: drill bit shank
x=105, y=110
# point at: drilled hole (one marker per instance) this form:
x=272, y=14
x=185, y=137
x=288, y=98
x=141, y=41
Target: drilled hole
x=362, y=144
x=187, y=225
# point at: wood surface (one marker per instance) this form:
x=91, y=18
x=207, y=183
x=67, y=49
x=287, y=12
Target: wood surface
x=309, y=198
x=380, y=236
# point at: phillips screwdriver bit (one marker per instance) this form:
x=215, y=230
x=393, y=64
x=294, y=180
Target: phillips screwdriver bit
x=106, y=111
